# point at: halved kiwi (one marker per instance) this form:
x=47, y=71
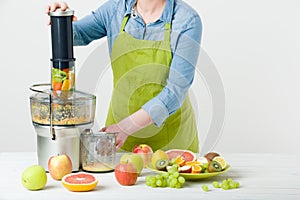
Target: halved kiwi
x=214, y=167
x=162, y=164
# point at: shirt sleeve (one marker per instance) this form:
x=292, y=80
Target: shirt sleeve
x=93, y=26
x=181, y=74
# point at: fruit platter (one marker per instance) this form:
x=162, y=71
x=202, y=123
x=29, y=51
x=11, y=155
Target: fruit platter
x=188, y=164
x=172, y=168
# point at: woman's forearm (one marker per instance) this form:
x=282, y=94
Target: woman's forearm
x=135, y=122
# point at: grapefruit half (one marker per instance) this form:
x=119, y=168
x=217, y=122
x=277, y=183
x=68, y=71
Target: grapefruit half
x=185, y=154
x=79, y=182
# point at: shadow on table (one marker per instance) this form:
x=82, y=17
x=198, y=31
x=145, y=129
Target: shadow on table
x=233, y=174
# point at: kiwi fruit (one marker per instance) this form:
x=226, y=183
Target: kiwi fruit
x=210, y=155
x=214, y=167
x=162, y=164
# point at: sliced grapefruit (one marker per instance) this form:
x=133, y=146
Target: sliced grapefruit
x=185, y=154
x=79, y=182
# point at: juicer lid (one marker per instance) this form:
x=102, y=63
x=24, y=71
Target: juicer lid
x=60, y=13
x=41, y=93
x=71, y=97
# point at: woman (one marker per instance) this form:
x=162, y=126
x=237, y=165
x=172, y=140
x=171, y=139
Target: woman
x=154, y=46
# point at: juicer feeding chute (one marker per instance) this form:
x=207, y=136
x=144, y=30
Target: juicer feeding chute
x=63, y=68
x=59, y=112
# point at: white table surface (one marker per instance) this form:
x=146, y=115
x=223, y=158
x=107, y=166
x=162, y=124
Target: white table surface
x=262, y=176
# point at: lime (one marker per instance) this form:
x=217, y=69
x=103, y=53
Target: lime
x=34, y=178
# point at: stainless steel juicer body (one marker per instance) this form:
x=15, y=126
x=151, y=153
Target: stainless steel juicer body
x=67, y=142
x=59, y=122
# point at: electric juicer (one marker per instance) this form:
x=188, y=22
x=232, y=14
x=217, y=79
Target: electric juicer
x=59, y=112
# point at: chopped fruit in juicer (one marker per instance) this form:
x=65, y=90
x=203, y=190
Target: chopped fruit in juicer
x=66, y=85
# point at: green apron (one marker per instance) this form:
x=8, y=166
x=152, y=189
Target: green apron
x=140, y=70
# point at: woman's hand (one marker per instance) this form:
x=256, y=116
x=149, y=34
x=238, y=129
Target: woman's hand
x=121, y=137
x=55, y=5
x=129, y=125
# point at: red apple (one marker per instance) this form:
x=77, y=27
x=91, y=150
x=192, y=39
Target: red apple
x=135, y=159
x=126, y=174
x=145, y=152
x=59, y=166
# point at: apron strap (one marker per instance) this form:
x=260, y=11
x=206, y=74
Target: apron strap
x=167, y=36
x=124, y=22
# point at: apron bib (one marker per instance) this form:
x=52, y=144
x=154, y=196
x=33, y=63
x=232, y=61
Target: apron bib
x=140, y=70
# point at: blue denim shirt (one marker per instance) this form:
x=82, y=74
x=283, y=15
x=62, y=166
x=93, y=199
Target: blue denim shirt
x=186, y=32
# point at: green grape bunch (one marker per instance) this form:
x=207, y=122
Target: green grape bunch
x=171, y=179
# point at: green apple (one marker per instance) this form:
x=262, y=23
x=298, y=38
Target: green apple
x=135, y=159
x=34, y=178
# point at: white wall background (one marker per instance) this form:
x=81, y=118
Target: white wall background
x=255, y=46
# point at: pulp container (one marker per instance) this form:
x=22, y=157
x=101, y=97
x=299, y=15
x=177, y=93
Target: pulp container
x=98, y=151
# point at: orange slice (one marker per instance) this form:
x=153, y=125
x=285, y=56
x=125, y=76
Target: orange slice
x=180, y=161
x=196, y=169
x=56, y=85
x=66, y=85
x=191, y=163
